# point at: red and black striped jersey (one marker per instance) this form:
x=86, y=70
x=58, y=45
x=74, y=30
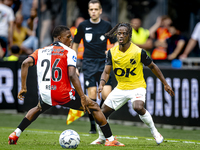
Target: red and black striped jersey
x=52, y=72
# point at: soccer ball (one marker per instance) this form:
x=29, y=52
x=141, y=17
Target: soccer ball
x=69, y=139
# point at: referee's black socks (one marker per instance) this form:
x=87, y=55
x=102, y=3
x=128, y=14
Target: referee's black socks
x=102, y=101
x=92, y=122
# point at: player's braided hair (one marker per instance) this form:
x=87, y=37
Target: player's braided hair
x=113, y=32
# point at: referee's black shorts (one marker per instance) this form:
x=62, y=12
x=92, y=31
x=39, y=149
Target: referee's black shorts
x=92, y=70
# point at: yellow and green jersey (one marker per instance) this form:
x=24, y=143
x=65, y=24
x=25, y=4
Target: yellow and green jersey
x=128, y=66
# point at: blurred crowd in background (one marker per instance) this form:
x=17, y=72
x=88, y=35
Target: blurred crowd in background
x=169, y=30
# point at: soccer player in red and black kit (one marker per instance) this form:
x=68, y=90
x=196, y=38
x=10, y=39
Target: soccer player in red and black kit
x=56, y=68
x=92, y=31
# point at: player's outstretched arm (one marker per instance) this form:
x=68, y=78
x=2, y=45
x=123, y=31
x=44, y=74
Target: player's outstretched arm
x=154, y=68
x=77, y=85
x=24, y=71
x=104, y=78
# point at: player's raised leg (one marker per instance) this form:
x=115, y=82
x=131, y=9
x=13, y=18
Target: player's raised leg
x=103, y=124
x=28, y=119
x=145, y=116
x=106, y=91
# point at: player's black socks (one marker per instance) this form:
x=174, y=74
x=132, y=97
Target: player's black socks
x=92, y=121
x=106, y=130
x=24, y=124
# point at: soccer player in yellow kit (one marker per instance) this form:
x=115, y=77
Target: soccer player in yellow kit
x=127, y=61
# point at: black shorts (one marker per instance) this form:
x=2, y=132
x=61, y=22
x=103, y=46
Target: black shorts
x=74, y=104
x=92, y=70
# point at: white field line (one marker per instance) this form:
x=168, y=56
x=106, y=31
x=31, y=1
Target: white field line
x=120, y=137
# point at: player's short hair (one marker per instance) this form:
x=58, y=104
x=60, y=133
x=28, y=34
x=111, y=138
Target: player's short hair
x=93, y=2
x=59, y=30
x=113, y=32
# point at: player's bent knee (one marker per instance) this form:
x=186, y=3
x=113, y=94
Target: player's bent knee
x=39, y=107
x=138, y=108
x=94, y=105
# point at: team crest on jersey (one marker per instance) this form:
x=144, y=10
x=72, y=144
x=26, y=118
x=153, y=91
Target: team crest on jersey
x=88, y=37
x=102, y=37
x=74, y=58
x=132, y=61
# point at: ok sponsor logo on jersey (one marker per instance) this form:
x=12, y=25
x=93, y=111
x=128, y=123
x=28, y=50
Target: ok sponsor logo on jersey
x=124, y=72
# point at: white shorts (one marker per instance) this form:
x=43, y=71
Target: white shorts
x=117, y=98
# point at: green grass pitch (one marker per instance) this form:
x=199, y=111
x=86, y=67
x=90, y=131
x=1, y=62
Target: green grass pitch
x=43, y=134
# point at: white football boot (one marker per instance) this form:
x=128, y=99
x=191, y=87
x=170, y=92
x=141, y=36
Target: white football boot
x=98, y=141
x=158, y=137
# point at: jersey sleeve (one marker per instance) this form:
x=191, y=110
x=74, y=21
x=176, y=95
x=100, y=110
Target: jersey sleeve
x=71, y=58
x=108, y=58
x=78, y=34
x=145, y=59
x=34, y=56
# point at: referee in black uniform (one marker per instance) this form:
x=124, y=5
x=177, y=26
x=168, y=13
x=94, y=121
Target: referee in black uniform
x=95, y=42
